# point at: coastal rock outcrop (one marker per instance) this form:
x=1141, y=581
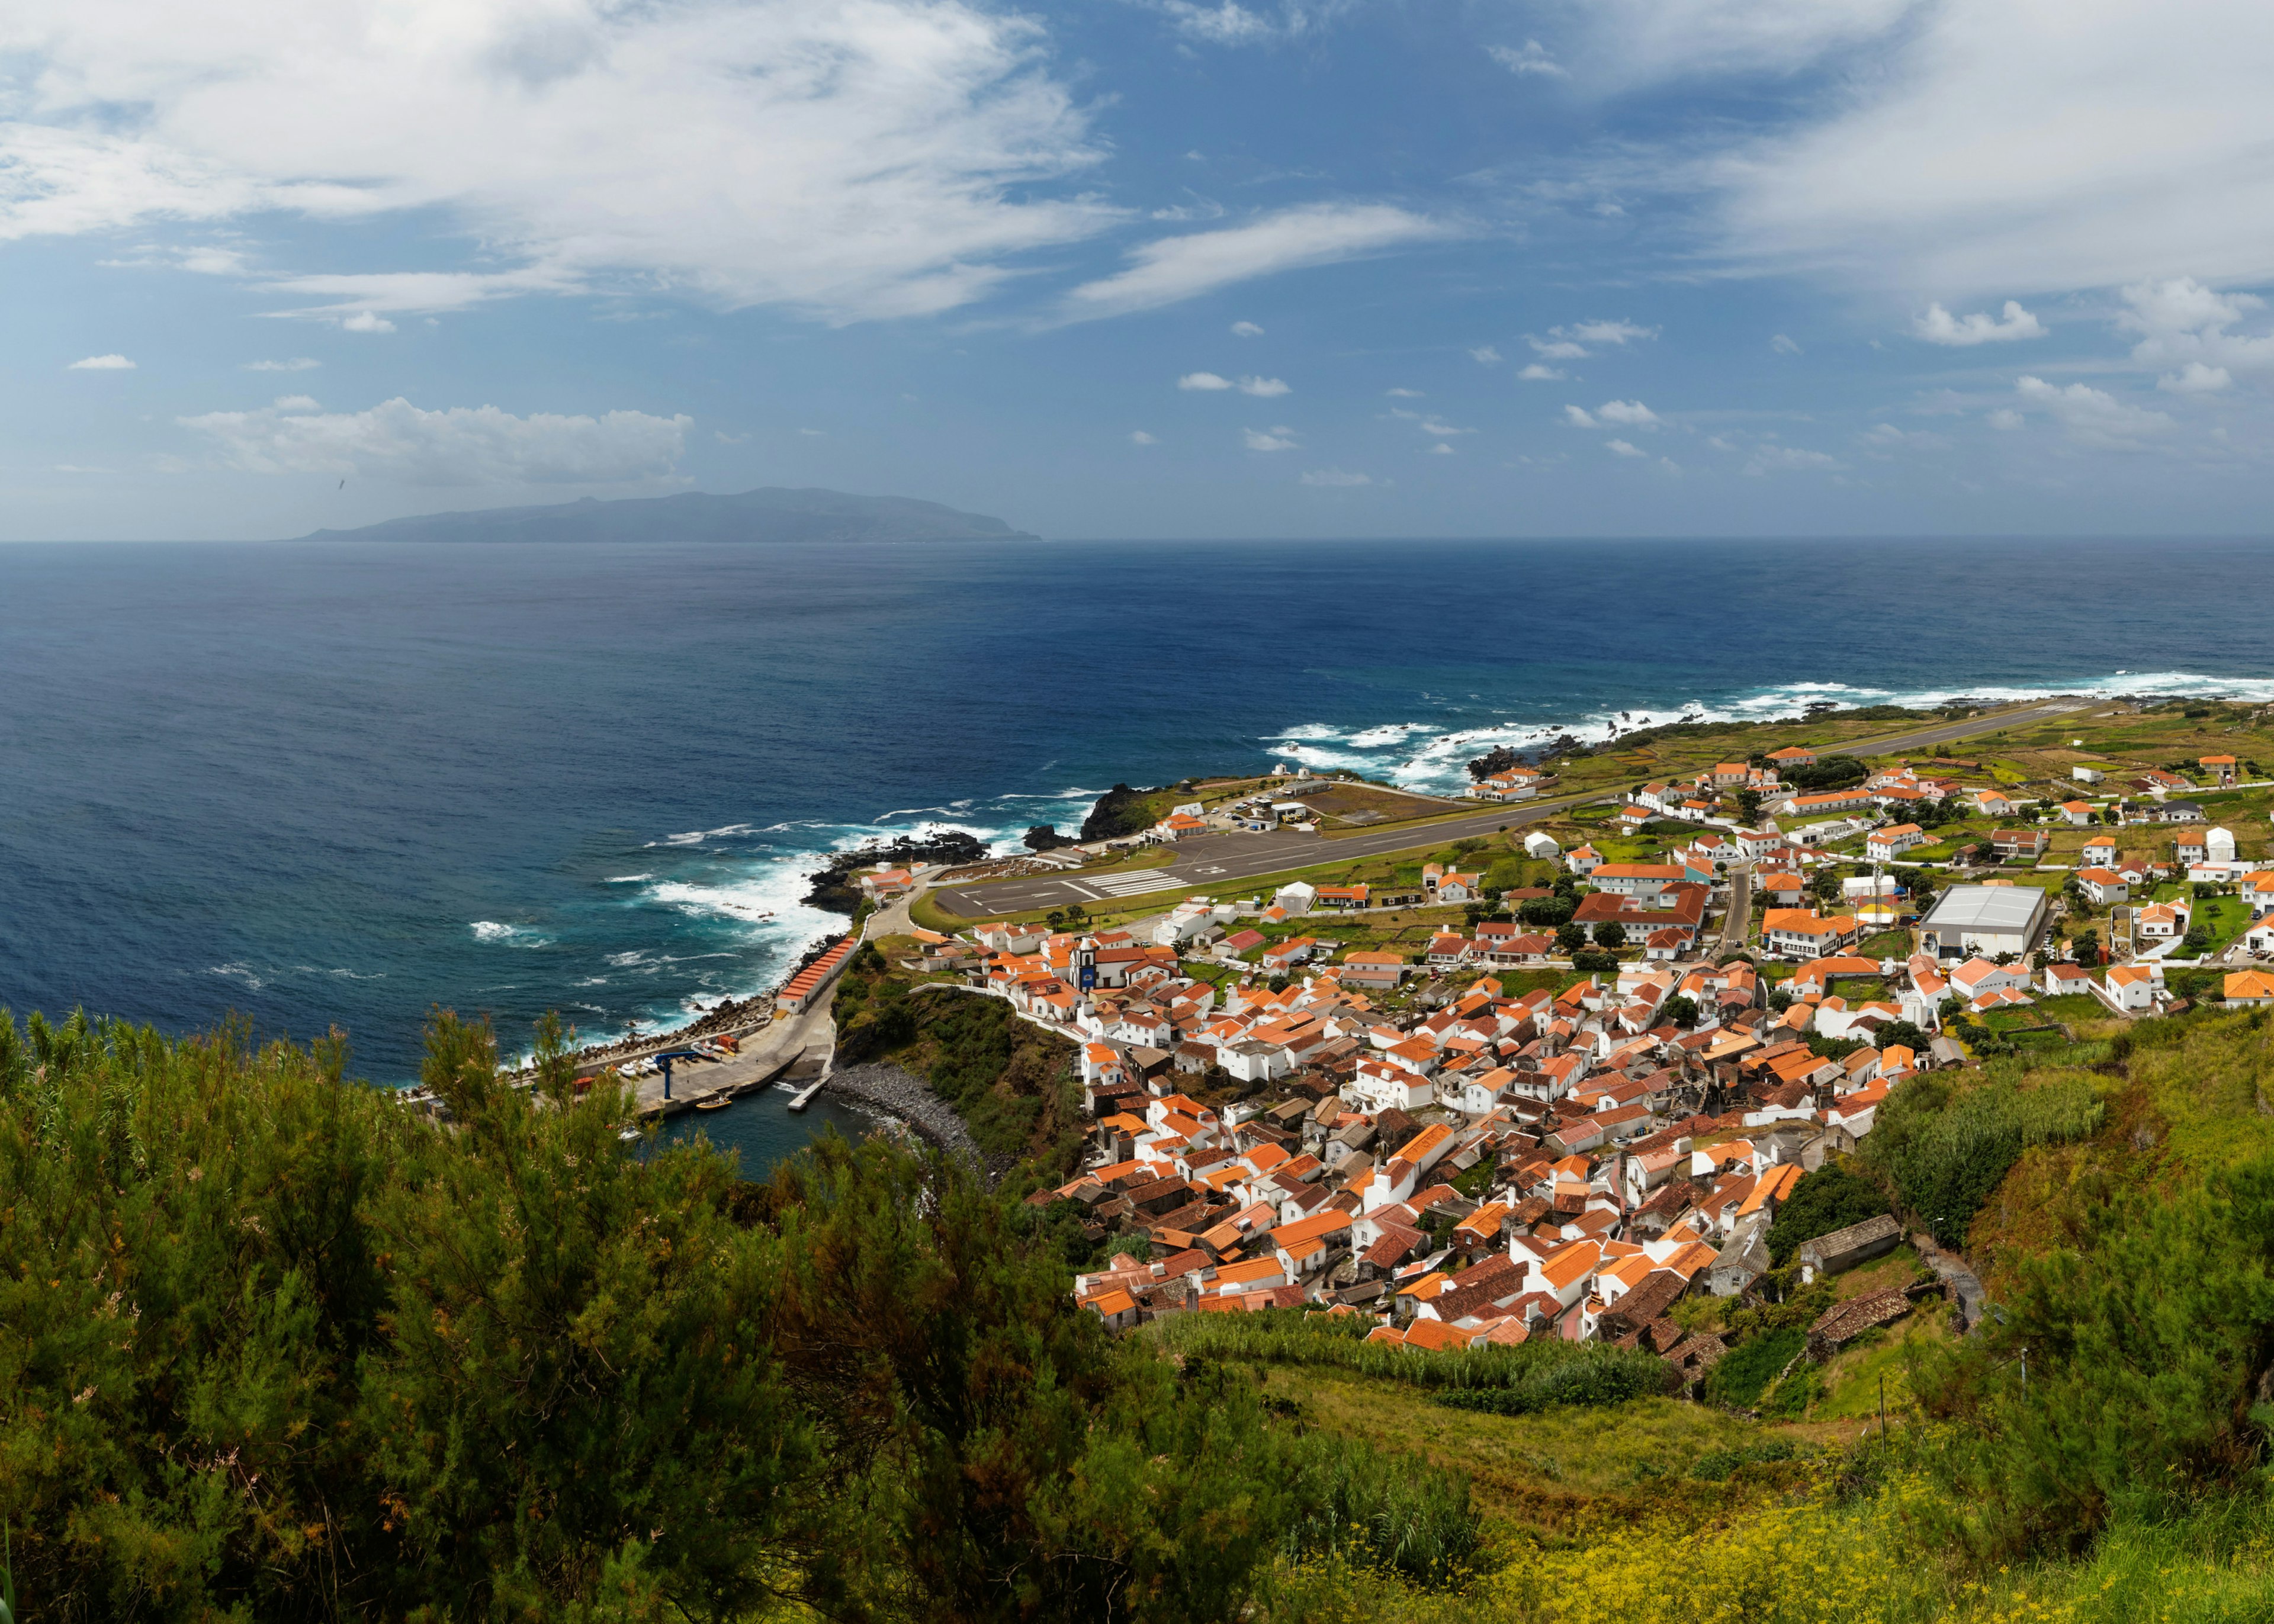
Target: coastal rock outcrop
x=889, y=1089
x=835, y=889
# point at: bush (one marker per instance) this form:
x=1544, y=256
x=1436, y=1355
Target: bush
x=1744, y=1373
x=1831, y=1198
x=1945, y=1152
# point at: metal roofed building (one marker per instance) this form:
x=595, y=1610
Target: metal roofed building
x=1984, y=919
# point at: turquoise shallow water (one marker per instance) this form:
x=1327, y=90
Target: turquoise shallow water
x=339, y=783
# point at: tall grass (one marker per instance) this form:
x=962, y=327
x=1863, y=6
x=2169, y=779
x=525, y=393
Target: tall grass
x=1531, y=1376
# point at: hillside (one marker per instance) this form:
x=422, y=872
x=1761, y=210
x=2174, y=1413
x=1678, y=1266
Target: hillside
x=770, y=513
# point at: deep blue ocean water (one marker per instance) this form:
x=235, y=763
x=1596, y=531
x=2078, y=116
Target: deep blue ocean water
x=338, y=784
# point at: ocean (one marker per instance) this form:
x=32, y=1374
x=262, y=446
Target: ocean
x=314, y=784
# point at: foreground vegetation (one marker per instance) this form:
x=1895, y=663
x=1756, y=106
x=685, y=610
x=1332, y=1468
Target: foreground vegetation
x=272, y=1347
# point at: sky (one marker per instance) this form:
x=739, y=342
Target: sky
x=1143, y=268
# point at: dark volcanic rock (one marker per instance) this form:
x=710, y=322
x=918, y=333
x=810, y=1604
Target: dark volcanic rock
x=897, y=1093
x=834, y=888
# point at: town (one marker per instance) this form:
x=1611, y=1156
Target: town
x=1561, y=1107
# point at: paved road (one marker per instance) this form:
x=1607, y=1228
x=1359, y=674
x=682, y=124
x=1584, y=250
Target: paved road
x=1217, y=862
x=1740, y=910
x=1951, y=731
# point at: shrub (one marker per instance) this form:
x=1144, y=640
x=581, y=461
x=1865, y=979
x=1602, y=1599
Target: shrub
x=1831, y=1198
x=1946, y=1151
x=1745, y=1372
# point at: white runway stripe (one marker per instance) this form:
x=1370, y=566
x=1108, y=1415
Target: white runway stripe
x=1133, y=885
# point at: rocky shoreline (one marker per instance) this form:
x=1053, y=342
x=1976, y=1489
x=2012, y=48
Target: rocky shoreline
x=896, y=1093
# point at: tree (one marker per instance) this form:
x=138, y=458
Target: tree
x=1610, y=933
x=1831, y=1198
x=1570, y=937
x=1681, y=1009
x=1594, y=961
x=1906, y=1034
x=2084, y=947
x=1749, y=805
x=1546, y=912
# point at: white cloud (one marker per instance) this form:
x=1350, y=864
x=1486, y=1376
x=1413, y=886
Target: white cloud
x=298, y=364
x=297, y=402
x=1402, y=395
x=2182, y=322
x=1182, y=268
x=855, y=159
x=2007, y=143
x=1939, y=327
x=1279, y=438
x=2004, y=418
x=1442, y=431
x=1886, y=436
x=1246, y=329
x=101, y=363
x=1621, y=333
x=1485, y=355
x=1537, y=373
x=1336, y=477
x=1138, y=437
x=1576, y=417
x=365, y=321
x=1556, y=349
x=1440, y=449
x=1623, y=448
x=1264, y=388
x=1785, y=459
x=1226, y=23
x=1533, y=58
x=1642, y=41
x=2093, y=417
x=1783, y=345
x=1634, y=414
x=462, y=446
x=1719, y=444
x=2195, y=377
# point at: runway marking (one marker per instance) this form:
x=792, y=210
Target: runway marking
x=1136, y=885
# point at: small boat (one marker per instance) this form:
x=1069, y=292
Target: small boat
x=717, y=1102
x=629, y=1134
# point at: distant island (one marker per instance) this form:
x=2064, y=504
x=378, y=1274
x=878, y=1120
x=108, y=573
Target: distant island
x=770, y=513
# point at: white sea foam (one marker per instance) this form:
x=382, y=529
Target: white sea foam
x=511, y=935
x=629, y=879
x=1392, y=751
x=237, y=972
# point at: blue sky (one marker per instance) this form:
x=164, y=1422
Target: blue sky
x=1143, y=268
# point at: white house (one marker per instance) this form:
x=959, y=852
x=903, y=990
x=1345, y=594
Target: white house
x=1540, y=846
x=2104, y=886
x=1977, y=976
x=1886, y=845
x=1296, y=898
x=2086, y=775
x=2131, y=988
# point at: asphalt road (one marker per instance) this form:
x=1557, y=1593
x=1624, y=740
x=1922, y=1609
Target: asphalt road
x=1735, y=928
x=1951, y=731
x=1215, y=863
